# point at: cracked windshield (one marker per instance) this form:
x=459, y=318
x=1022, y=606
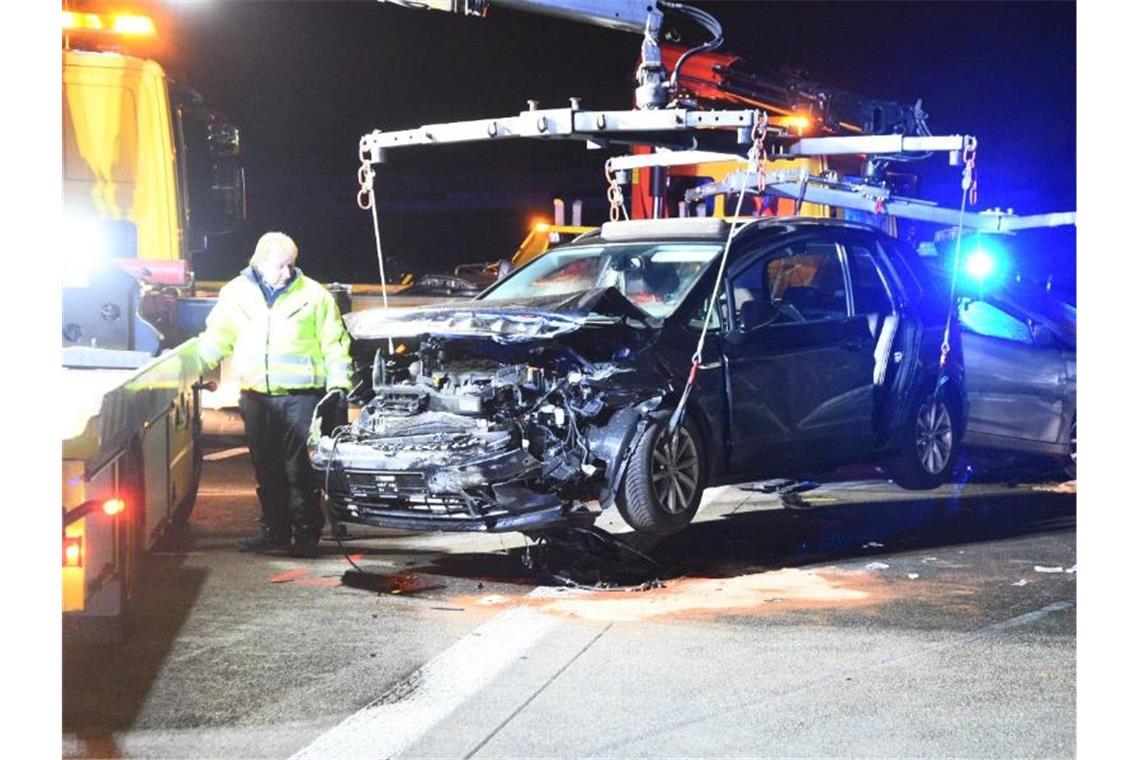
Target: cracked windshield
x=654, y=277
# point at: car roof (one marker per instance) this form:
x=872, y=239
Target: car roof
x=705, y=228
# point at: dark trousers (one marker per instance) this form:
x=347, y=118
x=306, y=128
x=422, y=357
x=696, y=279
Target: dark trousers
x=276, y=428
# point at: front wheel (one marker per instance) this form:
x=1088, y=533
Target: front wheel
x=930, y=445
x=664, y=480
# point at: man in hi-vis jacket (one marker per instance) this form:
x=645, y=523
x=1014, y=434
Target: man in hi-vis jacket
x=289, y=346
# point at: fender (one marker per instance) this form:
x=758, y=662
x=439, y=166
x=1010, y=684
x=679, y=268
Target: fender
x=613, y=441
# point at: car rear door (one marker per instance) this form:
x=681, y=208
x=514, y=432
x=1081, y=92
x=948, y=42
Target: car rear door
x=1016, y=386
x=799, y=362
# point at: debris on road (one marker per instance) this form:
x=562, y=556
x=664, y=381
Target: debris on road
x=1021, y=582
x=876, y=565
x=912, y=576
x=872, y=545
x=1043, y=569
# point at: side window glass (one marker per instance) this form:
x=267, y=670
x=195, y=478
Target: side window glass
x=867, y=288
x=800, y=283
x=718, y=317
x=986, y=319
x=900, y=266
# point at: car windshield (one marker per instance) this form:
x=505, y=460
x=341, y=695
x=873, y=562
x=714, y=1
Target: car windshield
x=654, y=276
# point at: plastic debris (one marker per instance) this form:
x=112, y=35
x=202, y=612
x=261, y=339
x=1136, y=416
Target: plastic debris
x=1021, y=582
x=876, y=565
x=872, y=545
x=1043, y=569
x=929, y=559
x=912, y=576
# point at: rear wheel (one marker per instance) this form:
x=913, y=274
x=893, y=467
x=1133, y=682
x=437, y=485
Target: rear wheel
x=1071, y=465
x=930, y=445
x=664, y=480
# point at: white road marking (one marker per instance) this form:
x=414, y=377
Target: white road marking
x=225, y=453
x=413, y=706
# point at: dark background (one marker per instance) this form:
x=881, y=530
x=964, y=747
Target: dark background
x=304, y=80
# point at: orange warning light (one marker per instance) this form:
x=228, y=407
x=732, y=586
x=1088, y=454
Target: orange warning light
x=73, y=551
x=113, y=507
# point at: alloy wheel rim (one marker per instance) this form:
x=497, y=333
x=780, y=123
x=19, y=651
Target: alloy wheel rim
x=1073, y=443
x=675, y=470
x=934, y=436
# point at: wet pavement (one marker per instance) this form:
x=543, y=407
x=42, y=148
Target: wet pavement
x=870, y=621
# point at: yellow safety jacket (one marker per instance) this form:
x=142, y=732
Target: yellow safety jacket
x=298, y=343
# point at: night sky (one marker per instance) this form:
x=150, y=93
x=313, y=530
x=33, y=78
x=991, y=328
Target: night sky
x=304, y=80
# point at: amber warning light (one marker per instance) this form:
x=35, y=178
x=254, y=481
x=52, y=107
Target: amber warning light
x=122, y=24
x=73, y=551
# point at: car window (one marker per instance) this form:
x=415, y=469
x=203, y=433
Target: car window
x=900, y=265
x=802, y=282
x=986, y=319
x=653, y=275
x=868, y=290
x=698, y=320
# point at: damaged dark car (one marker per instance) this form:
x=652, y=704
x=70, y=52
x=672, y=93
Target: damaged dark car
x=551, y=394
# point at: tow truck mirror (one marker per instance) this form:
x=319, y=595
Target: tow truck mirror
x=228, y=187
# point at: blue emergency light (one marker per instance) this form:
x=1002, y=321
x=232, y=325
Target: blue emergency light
x=985, y=263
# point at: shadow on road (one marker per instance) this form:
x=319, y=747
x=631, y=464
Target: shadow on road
x=104, y=687
x=781, y=538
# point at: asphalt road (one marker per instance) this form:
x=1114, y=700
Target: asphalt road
x=874, y=622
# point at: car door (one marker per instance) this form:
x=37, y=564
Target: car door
x=1016, y=384
x=799, y=363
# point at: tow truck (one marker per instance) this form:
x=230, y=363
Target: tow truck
x=148, y=171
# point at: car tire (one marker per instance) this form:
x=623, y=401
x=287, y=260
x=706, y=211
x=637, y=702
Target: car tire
x=930, y=444
x=664, y=479
x=1071, y=463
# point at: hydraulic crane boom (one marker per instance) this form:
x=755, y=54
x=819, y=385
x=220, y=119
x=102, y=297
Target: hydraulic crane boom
x=671, y=75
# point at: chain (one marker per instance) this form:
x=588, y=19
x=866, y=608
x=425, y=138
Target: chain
x=969, y=171
x=364, y=175
x=615, y=196
x=757, y=160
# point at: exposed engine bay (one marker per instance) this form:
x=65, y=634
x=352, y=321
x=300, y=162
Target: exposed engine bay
x=488, y=430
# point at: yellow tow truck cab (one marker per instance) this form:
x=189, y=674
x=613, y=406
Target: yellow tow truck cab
x=148, y=173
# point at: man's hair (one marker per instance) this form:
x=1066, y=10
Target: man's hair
x=270, y=242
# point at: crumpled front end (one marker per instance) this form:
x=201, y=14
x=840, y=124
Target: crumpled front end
x=469, y=433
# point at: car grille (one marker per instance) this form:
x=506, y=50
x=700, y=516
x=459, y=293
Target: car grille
x=403, y=490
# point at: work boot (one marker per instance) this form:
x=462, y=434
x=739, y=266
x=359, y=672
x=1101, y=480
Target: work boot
x=265, y=542
x=305, y=545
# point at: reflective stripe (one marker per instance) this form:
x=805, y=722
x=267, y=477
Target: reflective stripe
x=290, y=359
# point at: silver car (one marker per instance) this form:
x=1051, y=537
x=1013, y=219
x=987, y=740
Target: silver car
x=1020, y=351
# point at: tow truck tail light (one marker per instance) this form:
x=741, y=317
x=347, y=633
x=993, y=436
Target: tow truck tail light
x=112, y=507
x=73, y=551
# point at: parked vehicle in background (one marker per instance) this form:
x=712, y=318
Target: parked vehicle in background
x=555, y=387
x=1020, y=347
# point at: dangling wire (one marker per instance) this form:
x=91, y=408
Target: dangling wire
x=755, y=167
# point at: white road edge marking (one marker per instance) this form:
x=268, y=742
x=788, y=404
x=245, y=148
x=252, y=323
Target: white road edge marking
x=225, y=453
x=413, y=706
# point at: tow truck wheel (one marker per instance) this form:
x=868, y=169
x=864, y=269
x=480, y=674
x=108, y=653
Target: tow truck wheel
x=930, y=445
x=664, y=480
